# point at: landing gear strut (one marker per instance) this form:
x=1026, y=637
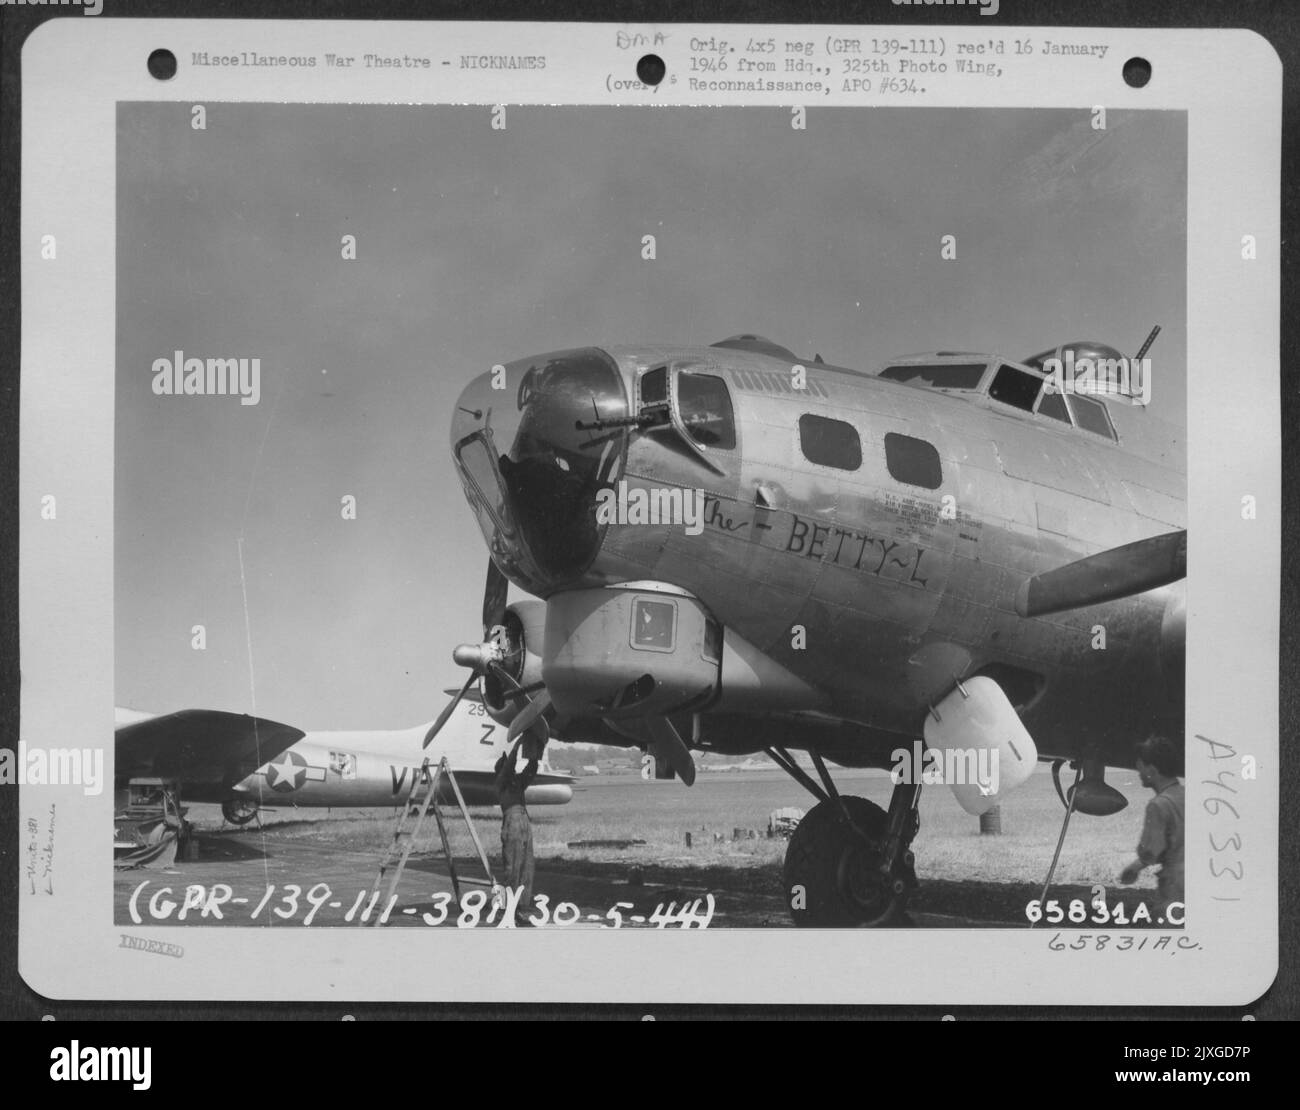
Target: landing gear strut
x=849, y=862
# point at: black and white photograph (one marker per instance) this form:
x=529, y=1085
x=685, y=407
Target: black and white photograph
x=747, y=509
x=680, y=514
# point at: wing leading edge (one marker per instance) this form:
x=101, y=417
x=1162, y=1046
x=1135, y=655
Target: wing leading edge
x=200, y=745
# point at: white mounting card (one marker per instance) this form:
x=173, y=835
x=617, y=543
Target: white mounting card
x=257, y=290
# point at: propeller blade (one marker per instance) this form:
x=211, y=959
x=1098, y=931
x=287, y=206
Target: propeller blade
x=446, y=713
x=669, y=741
x=523, y=691
x=494, y=597
x=541, y=732
x=513, y=689
x=1109, y=575
x=530, y=715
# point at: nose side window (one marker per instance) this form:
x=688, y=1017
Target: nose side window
x=477, y=466
x=654, y=387
x=705, y=408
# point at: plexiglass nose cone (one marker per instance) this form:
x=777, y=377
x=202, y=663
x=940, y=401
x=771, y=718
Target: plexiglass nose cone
x=534, y=441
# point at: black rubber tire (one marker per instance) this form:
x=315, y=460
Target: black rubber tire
x=823, y=853
x=238, y=812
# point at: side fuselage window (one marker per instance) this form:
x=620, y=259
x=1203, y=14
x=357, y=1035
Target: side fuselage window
x=829, y=442
x=913, y=461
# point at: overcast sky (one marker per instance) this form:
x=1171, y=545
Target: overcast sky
x=478, y=246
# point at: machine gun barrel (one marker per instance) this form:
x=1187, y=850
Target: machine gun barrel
x=1149, y=340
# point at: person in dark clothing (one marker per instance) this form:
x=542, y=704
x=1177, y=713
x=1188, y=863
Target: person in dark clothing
x=1161, y=842
x=516, y=829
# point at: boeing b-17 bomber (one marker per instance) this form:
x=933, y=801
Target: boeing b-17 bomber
x=922, y=553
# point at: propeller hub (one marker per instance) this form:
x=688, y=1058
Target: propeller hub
x=477, y=656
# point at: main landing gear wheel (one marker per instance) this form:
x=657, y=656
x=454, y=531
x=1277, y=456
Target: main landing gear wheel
x=832, y=868
x=239, y=811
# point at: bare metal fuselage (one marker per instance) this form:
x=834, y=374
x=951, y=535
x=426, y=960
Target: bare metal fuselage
x=878, y=593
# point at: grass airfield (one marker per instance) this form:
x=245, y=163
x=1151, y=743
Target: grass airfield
x=967, y=879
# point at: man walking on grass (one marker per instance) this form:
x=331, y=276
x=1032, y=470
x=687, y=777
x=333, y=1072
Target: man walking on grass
x=1158, y=765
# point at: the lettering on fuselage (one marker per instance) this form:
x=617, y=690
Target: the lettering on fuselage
x=400, y=779
x=845, y=547
x=899, y=560
x=924, y=516
x=714, y=517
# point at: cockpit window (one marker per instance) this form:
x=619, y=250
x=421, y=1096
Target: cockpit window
x=705, y=408
x=1053, y=405
x=1091, y=415
x=829, y=442
x=952, y=375
x=1015, y=387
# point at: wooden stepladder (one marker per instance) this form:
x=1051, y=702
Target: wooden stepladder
x=422, y=798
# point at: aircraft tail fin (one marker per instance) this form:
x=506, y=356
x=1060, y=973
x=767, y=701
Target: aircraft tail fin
x=469, y=738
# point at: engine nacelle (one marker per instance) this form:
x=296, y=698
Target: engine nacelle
x=523, y=636
x=638, y=649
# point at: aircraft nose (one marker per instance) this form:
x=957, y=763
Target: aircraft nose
x=534, y=440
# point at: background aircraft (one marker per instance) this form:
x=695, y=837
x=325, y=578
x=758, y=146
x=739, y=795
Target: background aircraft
x=244, y=762
x=940, y=551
